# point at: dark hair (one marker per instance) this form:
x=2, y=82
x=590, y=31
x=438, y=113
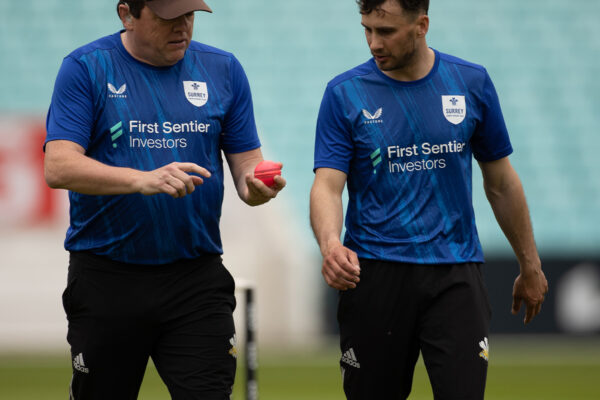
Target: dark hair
x=135, y=6
x=410, y=6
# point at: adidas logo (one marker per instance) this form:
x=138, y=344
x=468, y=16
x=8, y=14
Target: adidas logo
x=374, y=118
x=350, y=358
x=79, y=365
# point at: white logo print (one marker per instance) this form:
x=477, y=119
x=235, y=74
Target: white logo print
x=233, y=350
x=114, y=90
x=196, y=92
x=374, y=118
x=454, y=108
x=368, y=115
x=117, y=93
x=485, y=349
x=79, y=365
x=350, y=358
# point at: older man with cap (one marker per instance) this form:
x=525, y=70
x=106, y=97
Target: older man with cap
x=137, y=126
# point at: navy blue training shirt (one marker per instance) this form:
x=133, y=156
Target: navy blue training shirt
x=130, y=114
x=407, y=149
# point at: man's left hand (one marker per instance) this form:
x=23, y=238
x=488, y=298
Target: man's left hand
x=531, y=288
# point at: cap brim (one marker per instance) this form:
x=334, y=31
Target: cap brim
x=169, y=9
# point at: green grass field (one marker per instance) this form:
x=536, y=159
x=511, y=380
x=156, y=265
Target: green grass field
x=532, y=368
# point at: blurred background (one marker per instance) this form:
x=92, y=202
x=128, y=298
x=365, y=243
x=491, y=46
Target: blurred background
x=544, y=59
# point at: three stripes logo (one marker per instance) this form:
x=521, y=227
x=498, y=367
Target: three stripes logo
x=79, y=365
x=375, y=159
x=116, y=132
x=350, y=358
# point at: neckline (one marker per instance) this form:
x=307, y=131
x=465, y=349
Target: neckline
x=131, y=58
x=418, y=82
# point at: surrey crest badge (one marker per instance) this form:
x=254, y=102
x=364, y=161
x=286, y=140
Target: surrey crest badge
x=196, y=92
x=454, y=108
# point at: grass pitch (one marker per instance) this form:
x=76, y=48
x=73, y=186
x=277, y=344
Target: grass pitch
x=521, y=368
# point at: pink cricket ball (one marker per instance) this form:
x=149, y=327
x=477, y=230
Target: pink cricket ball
x=266, y=170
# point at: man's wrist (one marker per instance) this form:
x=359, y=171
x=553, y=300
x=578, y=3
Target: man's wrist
x=328, y=244
x=530, y=266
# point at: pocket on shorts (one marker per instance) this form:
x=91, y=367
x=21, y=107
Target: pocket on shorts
x=228, y=286
x=484, y=289
x=346, y=306
x=229, y=278
x=67, y=296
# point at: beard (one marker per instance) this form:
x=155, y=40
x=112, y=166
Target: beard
x=398, y=62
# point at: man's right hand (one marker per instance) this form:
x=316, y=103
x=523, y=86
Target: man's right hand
x=173, y=179
x=341, y=268
x=66, y=166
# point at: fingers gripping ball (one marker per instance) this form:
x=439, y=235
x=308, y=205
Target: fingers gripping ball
x=266, y=170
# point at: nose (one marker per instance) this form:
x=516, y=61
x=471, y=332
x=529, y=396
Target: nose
x=183, y=22
x=375, y=42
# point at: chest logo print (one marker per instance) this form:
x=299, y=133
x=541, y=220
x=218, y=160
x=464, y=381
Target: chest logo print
x=196, y=92
x=454, y=108
x=117, y=93
x=374, y=118
x=370, y=116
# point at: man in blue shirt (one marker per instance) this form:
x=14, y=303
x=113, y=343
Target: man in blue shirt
x=136, y=127
x=401, y=130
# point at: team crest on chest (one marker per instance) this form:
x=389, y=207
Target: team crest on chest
x=196, y=92
x=454, y=108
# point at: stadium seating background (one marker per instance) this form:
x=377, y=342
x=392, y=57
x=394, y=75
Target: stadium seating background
x=543, y=57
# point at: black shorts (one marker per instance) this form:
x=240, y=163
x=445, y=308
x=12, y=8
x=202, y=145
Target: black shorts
x=180, y=314
x=398, y=310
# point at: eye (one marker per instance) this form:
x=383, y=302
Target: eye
x=386, y=32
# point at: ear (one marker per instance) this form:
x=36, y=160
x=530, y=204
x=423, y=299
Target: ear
x=125, y=16
x=422, y=25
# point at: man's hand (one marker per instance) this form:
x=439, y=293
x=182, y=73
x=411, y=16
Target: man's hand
x=504, y=191
x=251, y=190
x=66, y=166
x=530, y=288
x=173, y=179
x=259, y=193
x=341, y=269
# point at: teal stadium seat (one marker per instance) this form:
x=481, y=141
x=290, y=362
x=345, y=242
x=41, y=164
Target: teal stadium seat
x=543, y=55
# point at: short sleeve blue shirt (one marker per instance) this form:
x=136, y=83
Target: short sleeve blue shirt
x=407, y=149
x=130, y=114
